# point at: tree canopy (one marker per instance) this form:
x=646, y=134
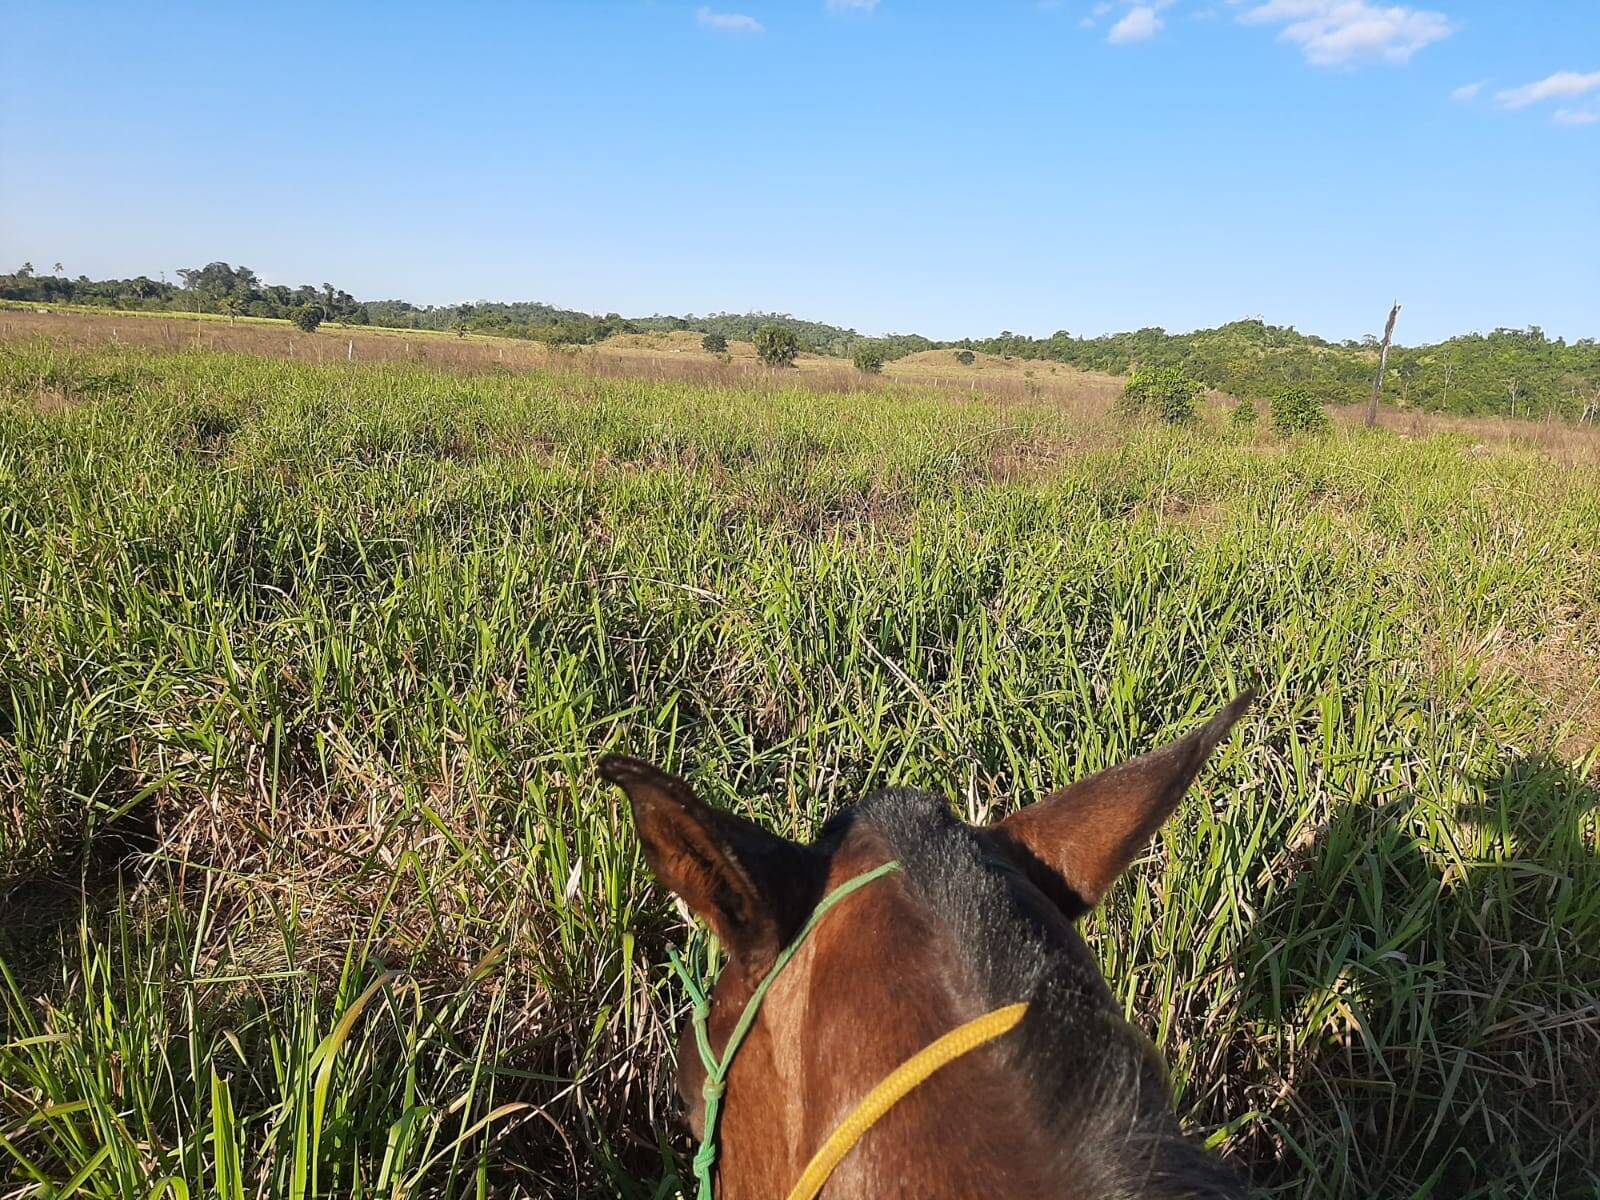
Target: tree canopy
x=776, y=345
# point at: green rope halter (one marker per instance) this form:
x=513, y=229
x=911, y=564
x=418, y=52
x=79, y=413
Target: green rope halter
x=717, y=1069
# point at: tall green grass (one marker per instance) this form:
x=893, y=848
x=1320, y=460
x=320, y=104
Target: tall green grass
x=310, y=888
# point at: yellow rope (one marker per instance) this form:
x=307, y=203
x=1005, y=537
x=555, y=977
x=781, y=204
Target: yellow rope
x=917, y=1068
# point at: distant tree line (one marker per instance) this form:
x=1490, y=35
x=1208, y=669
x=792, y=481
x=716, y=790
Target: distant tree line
x=524, y=319
x=1519, y=372
x=214, y=288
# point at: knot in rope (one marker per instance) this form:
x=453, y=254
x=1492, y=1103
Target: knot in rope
x=704, y=1159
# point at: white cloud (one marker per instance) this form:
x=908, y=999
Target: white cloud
x=1336, y=33
x=727, y=22
x=1577, y=116
x=1138, y=25
x=851, y=5
x=1467, y=91
x=1563, y=85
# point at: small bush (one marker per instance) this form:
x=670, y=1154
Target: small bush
x=1165, y=393
x=869, y=359
x=1244, y=414
x=966, y=357
x=776, y=346
x=1295, y=410
x=307, y=317
x=714, y=343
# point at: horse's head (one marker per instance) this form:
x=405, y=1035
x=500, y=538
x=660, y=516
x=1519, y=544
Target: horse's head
x=1072, y=1101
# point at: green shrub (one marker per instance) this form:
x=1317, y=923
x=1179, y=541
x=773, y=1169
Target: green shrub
x=1164, y=393
x=714, y=343
x=1244, y=414
x=869, y=359
x=307, y=317
x=1295, y=410
x=776, y=346
x=966, y=357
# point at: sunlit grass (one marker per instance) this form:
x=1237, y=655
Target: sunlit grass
x=311, y=888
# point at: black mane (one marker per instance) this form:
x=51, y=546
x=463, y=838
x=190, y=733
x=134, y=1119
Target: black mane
x=1088, y=1070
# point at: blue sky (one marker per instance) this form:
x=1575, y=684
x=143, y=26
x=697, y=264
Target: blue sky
x=904, y=165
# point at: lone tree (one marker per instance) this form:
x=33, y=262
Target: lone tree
x=714, y=343
x=1165, y=393
x=307, y=317
x=966, y=357
x=776, y=346
x=869, y=359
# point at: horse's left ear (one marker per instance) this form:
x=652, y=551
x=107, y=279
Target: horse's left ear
x=1086, y=834
x=752, y=887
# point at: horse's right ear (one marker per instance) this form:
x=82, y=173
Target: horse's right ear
x=1083, y=836
x=752, y=887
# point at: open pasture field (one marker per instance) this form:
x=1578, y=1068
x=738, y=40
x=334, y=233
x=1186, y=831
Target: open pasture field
x=676, y=356
x=307, y=885
x=1083, y=396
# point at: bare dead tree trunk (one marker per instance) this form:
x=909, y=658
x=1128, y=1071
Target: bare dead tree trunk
x=1383, y=364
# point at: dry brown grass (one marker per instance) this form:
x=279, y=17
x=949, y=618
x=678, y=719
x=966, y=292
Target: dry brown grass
x=1562, y=441
x=275, y=340
x=1560, y=664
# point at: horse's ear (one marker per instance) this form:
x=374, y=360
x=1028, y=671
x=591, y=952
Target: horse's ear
x=1085, y=835
x=752, y=887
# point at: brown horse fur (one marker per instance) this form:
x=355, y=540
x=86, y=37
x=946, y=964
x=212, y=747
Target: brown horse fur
x=1072, y=1104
